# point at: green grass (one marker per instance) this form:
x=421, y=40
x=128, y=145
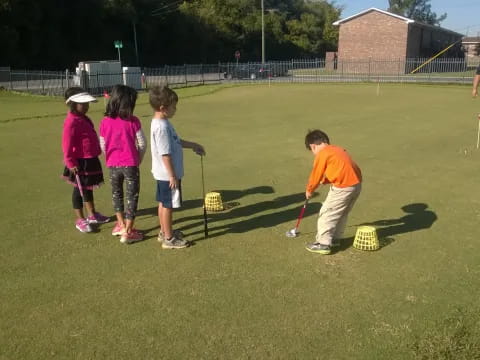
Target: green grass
x=248, y=292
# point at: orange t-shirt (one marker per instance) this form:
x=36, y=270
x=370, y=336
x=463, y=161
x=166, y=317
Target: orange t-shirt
x=333, y=165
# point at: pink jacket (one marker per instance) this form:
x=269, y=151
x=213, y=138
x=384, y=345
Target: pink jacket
x=79, y=140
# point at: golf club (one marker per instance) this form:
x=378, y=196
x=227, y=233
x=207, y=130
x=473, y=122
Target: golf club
x=294, y=231
x=205, y=223
x=79, y=184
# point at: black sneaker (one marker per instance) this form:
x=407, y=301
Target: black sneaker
x=174, y=243
x=319, y=248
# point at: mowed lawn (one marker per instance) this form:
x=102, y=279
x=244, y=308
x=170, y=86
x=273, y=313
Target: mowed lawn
x=247, y=291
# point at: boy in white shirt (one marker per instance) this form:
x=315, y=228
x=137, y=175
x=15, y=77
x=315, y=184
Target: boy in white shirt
x=167, y=163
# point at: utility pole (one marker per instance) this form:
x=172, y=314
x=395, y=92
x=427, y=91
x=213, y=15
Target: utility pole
x=263, y=34
x=135, y=41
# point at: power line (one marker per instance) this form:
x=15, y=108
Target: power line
x=468, y=27
x=167, y=8
x=162, y=14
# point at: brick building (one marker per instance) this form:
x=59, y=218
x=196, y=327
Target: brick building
x=375, y=34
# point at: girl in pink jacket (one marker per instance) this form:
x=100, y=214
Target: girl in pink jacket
x=81, y=149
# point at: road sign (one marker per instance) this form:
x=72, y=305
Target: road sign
x=118, y=45
x=237, y=54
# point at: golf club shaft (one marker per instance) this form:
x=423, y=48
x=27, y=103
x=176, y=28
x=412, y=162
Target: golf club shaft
x=205, y=222
x=301, y=214
x=79, y=184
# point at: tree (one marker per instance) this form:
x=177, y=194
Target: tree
x=328, y=13
x=292, y=27
x=54, y=34
x=419, y=10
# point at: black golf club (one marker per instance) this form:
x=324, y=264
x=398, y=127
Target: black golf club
x=205, y=222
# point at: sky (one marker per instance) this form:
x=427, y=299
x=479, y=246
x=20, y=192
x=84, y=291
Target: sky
x=463, y=16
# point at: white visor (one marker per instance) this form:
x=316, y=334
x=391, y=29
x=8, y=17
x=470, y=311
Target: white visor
x=81, y=98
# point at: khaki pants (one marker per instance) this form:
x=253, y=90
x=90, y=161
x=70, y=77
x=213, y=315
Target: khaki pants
x=333, y=214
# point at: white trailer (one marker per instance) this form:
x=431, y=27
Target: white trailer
x=96, y=76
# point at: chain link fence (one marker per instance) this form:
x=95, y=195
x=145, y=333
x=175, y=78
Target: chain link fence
x=455, y=71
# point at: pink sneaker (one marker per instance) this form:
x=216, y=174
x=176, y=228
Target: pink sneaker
x=83, y=226
x=98, y=218
x=131, y=237
x=118, y=230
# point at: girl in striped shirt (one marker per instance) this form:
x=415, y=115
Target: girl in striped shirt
x=123, y=142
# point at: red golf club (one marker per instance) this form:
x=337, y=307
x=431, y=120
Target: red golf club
x=294, y=231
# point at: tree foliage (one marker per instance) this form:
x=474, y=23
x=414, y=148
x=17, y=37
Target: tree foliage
x=54, y=34
x=419, y=10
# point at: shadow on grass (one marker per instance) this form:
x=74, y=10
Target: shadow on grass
x=259, y=221
x=418, y=218
x=228, y=197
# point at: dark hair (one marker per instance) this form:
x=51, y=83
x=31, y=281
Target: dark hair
x=122, y=102
x=162, y=96
x=316, y=137
x=74, y=90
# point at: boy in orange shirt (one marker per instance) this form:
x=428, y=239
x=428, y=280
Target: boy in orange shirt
x=332, y=165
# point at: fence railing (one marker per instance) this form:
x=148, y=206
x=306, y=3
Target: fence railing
x=298, y=71
x=56, y=82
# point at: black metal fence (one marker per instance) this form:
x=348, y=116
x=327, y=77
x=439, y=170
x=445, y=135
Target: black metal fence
x=56, y=82
x=295, y=71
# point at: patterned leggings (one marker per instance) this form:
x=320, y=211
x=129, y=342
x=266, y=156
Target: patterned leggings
x=131, y=175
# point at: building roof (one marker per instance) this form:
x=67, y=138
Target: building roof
x=471, y=40
x=406, y=20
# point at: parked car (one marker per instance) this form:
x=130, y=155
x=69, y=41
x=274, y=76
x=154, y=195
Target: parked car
x=248, y=71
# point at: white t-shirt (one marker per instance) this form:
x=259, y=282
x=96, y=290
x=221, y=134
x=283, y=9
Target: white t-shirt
x=165, y=141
